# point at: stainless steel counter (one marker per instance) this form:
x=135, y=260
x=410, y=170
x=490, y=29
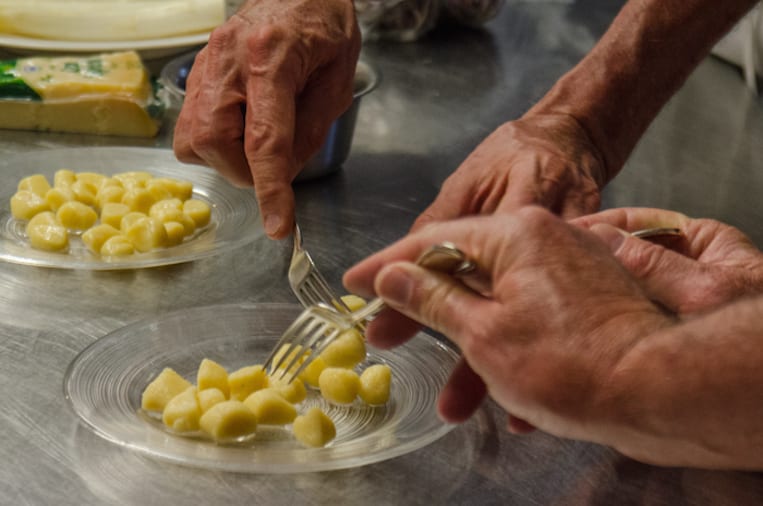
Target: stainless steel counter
x=437, y=99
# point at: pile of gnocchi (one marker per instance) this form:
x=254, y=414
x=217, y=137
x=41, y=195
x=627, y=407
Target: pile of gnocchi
x=114, y=216
x=229, y=406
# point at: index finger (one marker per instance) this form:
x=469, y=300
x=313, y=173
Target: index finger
x=209, y=127
x=631, y=219
x=269, y=143
x=359, y=279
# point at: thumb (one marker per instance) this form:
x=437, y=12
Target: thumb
x=668, y=277
x=434, y=299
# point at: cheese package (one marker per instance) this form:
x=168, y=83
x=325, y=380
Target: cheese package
x=106, y=94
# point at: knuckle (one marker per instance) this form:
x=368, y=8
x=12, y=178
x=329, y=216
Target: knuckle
x=536, y=217
x=263, y=142
x=476, y=338
x=642, y=260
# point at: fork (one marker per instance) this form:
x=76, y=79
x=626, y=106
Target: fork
x=306, y=281
x=320, y=324
x=657, y=232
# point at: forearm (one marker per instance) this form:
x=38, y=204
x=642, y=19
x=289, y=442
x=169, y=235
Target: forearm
x=692, y=395
x=643, y=58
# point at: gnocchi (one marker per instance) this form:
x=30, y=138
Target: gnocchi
x=339, y=385
x=209, y=397
x=246, y=380
x=45, y=233
x=182, y=412
x=346, y=351
x=228, y=420
x=375, y=384
x=150, y=212
x=212, y=375
x=270, y=407
x=314, y=428
x=230, y=407
x=162, y=389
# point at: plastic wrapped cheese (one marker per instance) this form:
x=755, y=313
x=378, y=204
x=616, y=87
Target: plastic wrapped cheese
x=106, y=94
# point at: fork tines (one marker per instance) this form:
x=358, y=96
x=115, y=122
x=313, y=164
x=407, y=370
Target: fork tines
x=313, y=330
x=315, y=290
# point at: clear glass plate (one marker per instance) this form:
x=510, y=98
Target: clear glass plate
x=105, y=381
x=235, y=215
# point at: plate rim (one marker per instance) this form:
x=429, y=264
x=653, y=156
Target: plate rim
x=12, y=41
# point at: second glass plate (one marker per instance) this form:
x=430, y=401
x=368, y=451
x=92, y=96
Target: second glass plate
x=235, y=214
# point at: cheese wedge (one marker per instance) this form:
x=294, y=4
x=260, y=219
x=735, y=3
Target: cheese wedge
x=107, y=94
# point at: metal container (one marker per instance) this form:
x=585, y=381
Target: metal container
x=336, y=147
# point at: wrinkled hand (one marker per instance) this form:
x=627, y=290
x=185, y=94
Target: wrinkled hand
x=543, y=159
x=550, y=316
x=712, y=264
x=263, y=93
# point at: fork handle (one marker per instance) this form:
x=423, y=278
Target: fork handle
x=444, y=257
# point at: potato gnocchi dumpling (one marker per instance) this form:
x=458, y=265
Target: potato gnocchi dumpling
x=228, y=420
x=182, y=412
x=212, y=375
x=96, y=236
x=150, y=212
x=209, y=397
x=75, y=215
x=112, y=214
x=46, y=233
x=231, y=406
x=314, y=428
x=312, y=371
x=36, y=183
x=346, y=351
x=375, y=383
x=294, y=391
x=246, y=380
x=25, y=205
x=147, y=234
x=270, y=407
x=164, y=387
x=117, y=246
x=339, y=385
x=353, y=302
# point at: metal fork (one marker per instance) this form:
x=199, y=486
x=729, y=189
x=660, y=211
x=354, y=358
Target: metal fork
x=651, y=233
x=306, y=281
x=318, y=325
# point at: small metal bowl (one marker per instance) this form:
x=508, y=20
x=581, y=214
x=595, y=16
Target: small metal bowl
x=336, y=147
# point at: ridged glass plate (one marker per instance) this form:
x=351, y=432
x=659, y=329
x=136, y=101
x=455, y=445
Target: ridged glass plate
x=105, y=381
x=235, y=215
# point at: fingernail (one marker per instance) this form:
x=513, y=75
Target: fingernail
x=272, y=224
x=395, y=285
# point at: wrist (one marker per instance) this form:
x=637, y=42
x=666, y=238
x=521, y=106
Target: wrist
x=689, y=394
x=644, y=57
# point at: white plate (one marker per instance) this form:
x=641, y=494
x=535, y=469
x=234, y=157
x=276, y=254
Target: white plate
x=104, y=383
x=148, y=48
x=235, y=214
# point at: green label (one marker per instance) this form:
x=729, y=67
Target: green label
x=12, y=86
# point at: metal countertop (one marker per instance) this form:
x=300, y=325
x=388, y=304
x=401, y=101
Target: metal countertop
x=438, y=98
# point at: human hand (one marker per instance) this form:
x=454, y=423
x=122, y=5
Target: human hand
x=550, y=316
x=712, y=264
x=543, y=159
x=263, y=93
